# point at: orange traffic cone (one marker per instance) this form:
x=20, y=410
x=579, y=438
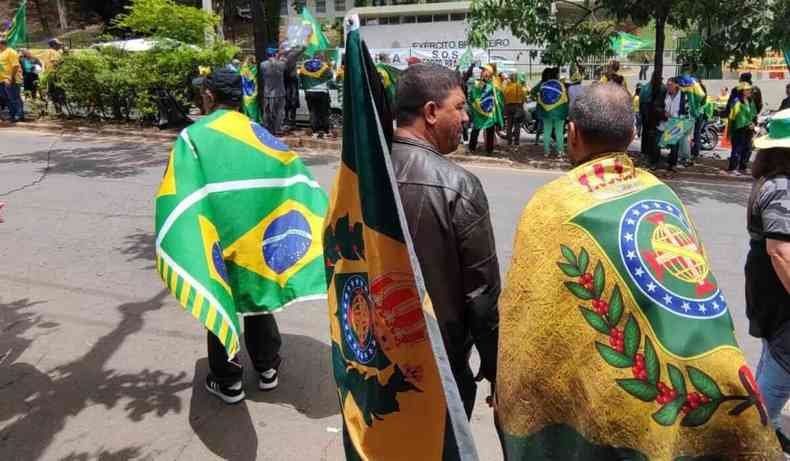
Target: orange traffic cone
x=724, y=142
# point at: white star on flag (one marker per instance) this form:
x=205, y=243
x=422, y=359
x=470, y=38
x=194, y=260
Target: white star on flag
x=651, y=287
x=686, y=307
x=657, y=205
x=702, y=308
x=668, y=299
x=639, y=272
x=631, y=221
x=631, y=255
x=716, y=306
x=629, y=237
x=637, y=212
x=646, y=207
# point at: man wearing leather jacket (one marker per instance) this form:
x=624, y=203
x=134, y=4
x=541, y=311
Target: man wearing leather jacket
x=449, y=220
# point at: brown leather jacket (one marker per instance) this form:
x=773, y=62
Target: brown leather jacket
x=450, y=224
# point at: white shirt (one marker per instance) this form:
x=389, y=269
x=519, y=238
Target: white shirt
x=672, y=104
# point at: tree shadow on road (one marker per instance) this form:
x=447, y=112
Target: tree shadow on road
x=115, y=160
x=42, y=402
x=105, y=455
x=305, y=384
x=140, y=246
x=725, y=192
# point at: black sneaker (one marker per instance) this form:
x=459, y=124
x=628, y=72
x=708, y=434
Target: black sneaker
x=268, y=380
x=783, y=441
x=229, y=394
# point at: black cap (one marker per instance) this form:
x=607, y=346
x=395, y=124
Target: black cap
x=225, y=84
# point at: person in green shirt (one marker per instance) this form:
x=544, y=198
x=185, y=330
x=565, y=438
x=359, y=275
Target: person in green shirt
x=741, y=120
x=552, y=110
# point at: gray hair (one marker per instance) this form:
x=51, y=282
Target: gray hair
x=421, y=84
x=604, y=116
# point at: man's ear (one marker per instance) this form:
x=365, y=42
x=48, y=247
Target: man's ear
x=429, y=112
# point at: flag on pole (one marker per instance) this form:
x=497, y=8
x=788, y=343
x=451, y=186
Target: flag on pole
x=238, y=224
x=386, y=343
x=17, y=34
x=624, y=44
x=316, y=41
x=249, y=84
x=466, y=59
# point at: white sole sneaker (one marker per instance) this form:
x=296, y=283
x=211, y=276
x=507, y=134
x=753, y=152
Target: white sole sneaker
x=213, y=388
x=267, y=381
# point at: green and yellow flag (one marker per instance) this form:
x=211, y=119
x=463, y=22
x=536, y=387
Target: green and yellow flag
x=316, y=41
x=314, y=72
x=487, y=103
x=17, y=33
x=677, y=128
x=389, y=77
x=397, y=402
x=616, y=341
x=250, y=105
x=238, y=224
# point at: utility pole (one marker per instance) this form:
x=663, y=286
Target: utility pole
x=260, y=33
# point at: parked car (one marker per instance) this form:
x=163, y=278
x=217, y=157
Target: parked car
x=335, y=109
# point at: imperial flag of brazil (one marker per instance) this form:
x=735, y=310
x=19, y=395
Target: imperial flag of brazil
x=396, y=391
x=238, y=224
x=616, y=341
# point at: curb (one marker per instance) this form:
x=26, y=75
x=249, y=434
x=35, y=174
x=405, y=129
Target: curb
x=334, y=144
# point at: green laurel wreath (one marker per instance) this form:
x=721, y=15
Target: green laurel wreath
x=623, y=352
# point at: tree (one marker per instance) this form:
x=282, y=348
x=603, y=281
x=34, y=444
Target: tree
x=732, y=30
x=167, y=19
x=42, y=17
x=62, y=15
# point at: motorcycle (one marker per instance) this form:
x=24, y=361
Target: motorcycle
x=712, y=131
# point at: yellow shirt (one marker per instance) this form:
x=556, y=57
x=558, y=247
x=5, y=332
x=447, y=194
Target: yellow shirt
x=514, y=93
x=9, y=60
x=49, y=58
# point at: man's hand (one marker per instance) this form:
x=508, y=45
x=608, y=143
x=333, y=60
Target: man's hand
x=1, y=211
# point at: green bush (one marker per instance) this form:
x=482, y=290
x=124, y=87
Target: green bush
x=167, y=19
x=109, y=83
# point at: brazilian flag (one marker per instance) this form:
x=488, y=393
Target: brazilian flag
x=314, y=72
x=316, y=40
x=389, y=77
x=397, y=402
x=487, y=103
x=616, y=340
x=238, y=224
x=249, y=85
x=695, y=95
x=677, y=128
x=17, y=33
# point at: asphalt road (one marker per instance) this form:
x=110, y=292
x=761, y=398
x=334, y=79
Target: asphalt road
x=97, y=361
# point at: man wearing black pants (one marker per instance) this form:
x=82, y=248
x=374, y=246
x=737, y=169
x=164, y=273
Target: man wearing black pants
x=263, y=341
x=318, y=104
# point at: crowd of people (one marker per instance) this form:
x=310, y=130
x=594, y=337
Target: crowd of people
x=20, y=74
x=467, y=293
x=660, y=107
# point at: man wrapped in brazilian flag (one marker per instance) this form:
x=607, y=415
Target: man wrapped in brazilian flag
x=238, y=232
x=618, y=340
x=315, y=76
x=250, y=104
x=696, y=97
x=487, y=105
x=396, y=392
x=553, y=103
x=389, y=77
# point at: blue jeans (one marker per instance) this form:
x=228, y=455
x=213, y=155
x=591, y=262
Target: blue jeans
x=774, y=383
x=14, y=100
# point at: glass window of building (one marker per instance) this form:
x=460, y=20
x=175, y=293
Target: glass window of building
x=409, y=19
x=425, y=18
x=320, y=6
x=340, y=5
x=440, y=18
x=458, y=17
x=283, y=7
